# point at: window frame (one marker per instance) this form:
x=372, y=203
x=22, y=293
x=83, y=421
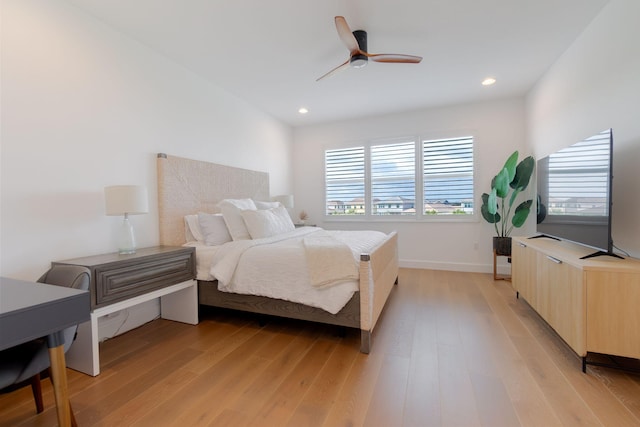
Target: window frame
x=419, y=215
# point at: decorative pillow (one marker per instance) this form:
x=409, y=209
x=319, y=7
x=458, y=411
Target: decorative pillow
x=231, y=209
x=267, y=222
x=192, y=232
x=266, y=205
x=214, y=229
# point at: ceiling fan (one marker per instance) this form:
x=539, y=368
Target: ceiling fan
x=356, y=42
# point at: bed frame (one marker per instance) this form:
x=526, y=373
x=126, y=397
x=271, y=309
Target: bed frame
x=188, y=186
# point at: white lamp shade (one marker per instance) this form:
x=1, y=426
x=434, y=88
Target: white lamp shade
x=126, y=199
x=286, y=200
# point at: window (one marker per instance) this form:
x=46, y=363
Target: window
x=448, y=176
x=344, y=178
x=393, y=178
x=396, y=178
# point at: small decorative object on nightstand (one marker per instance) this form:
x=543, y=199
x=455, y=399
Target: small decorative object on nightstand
x=303, y=217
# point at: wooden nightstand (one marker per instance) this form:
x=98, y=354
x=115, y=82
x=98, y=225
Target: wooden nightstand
x=122, y=281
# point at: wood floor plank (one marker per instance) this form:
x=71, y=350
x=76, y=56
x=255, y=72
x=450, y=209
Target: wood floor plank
x=192, y=401
x=16, y=406
x=558, y=392
x=221, y=347
x=280, y=406
x=422, y=403
x=238, y=376
x=526, y=397
x=493, y=402
x=231, y=418
x=114, y=398
x=263, y=386
x=387, y=403
x=215, y=399
x=457, y=397
x=143, y=402
x=316, y=404
x=353, y=400
x=626, y=388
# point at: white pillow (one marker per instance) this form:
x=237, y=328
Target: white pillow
x=192, y=232
x=266, y=205
x=267, y=222
x=214, y=229
x=231, y=209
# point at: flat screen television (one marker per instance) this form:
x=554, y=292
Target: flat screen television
x=574, y=193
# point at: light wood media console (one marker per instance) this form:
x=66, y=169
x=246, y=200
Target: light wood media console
x=593, y=304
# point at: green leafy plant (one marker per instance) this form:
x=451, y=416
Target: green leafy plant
x=497, y=206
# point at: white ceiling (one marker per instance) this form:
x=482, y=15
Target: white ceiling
x=270, y=52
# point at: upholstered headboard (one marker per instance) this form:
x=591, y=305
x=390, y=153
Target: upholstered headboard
x=188, y=186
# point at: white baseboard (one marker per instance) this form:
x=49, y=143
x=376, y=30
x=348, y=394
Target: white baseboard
x=455, y=266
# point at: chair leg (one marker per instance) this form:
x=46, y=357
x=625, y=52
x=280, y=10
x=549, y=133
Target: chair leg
x=36, y=388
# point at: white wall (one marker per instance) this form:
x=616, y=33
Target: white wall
x=593, y=86
x=498, y=128
x=83, y=107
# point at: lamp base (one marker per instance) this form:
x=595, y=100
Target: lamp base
x=126, y=238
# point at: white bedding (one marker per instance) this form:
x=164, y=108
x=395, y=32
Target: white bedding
x=204, y=257
x=277, y=267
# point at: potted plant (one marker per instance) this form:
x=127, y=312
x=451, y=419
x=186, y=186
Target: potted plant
x=498, y=205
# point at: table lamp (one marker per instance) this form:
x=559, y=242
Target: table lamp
x=286, y=200
x=126, y=200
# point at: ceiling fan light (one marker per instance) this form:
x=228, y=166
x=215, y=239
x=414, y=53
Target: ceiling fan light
x=359, y=61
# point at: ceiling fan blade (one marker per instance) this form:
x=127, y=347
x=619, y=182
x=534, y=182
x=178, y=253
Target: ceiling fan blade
x=335, y=70
x=393, y=57
x=346, y=35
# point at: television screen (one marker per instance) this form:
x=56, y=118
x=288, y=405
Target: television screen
x=574, y=193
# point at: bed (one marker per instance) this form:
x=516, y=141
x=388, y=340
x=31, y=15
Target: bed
x=187, y=186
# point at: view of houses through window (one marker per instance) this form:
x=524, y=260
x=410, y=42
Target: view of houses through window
x=393, y=177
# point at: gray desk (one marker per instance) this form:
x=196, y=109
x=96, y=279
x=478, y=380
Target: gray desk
x=31, y=310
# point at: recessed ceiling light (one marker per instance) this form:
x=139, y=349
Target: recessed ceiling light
x=488, y=81
x=303, y=110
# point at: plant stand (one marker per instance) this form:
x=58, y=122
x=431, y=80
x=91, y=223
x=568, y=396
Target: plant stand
x=497, y=276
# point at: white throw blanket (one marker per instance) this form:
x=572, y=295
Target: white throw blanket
x=330, y=261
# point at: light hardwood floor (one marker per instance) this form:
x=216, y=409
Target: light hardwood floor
x=451, y=349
